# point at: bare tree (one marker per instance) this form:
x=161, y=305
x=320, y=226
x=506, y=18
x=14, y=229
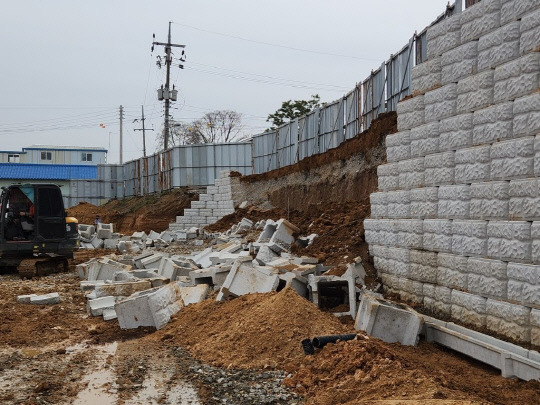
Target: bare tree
x=219, y=126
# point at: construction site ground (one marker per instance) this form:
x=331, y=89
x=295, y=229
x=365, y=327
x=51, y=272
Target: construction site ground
x=246, y=350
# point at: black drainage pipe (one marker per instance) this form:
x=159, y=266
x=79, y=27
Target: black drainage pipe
x=307, y=346
x=321, y=341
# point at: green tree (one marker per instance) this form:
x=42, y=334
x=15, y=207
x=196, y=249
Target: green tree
x=293, y=109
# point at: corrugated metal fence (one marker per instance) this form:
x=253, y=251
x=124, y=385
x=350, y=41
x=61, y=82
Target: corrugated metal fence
x=320, y=130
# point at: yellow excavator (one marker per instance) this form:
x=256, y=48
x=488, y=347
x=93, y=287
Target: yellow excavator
x=36, y=235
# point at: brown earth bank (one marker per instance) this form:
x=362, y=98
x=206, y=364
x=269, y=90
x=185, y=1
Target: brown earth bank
x=153, y=212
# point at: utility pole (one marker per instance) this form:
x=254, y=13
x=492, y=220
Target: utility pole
x=143, y=131
x=166, y=93
x=121, y=122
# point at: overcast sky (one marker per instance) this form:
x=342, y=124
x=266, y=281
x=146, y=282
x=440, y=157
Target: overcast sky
x=67, y=65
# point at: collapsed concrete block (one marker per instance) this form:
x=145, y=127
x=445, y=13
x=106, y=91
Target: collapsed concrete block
x=110, y=243
x=202, y=258
x=109, y=314
x=193, y=294
x=225, y=257
x=121, y=288
x=283, y=238
x=171, y=269
x=83, y=268
x=139, y=236
x=329, y=292
x=154, y=260
x=357, y=271
x=265, y=255
x=96, y=242
x=244, y=278
x=104, y=231
x=25, y=299
x=86, y=231
x=128, y=247
x=138, y=259
x=388, y=321
x=149, y=308
x=105, y=269
x=268, y=231
x=296, y=282
x=166, y=236
x=153, y=235
x=213, y=276
x=245, y=224
x=95, y=307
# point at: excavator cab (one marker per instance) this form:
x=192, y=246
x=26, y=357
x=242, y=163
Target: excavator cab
x=34, y=226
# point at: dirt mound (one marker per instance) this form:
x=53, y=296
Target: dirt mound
x=385, y=124
x=152, y=212
x=252, y=331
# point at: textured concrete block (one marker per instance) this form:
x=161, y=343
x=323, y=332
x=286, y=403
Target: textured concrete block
x=423, y=266
x=443, y=36
x=469, y=308
x=456, y=132
x=508, y=320
x=437, y=235
x=452, y=271
x=512, y=159
x=480, y=19
x=454, y=202
x=424, y=140
x=411, y=173
x=487, y=277
x=493, y=123
x=410, y=113
x=489, y=200
x=440, y=103
x=388, y=321
x=475, y=92
x=410, y=233
x=530, y=32
x=388, y=177
x=469, y=238
x=527, y=115
x=398, y=204
x=523, y=284
x=45, y=299
x=379, y=205
x=473, y=164
x=426, y=76
x=524, y=200
x=396, y=261
x=535, y=235
x=535, y=327
x=509, y=240
x=398, y=146
x=537, y=156
x=424, y=202
x=460, y=62
x=439, y=169
x=499, y=46
x=517, y=78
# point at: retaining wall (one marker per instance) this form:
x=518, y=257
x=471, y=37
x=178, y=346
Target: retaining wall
x=455, y=223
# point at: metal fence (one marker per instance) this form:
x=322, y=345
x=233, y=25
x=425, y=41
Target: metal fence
x=322, y=129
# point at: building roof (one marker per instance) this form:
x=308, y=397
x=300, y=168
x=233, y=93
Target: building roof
x=24, y=171
x=75, y=148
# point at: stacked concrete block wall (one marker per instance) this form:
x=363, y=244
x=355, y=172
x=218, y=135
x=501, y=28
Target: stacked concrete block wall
x=218, y=201
x=455, y=222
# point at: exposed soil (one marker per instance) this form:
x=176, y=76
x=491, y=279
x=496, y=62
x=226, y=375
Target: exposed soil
x=152, y=212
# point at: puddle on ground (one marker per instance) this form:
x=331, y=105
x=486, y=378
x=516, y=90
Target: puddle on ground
x=156, y=391
x=99, y=380
x=101, y=388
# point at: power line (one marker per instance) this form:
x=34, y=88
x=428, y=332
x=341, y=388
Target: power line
x=278, y=45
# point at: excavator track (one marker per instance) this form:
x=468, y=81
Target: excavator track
x=29, y=268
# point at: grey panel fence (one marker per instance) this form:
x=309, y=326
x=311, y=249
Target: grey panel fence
x=322, y=129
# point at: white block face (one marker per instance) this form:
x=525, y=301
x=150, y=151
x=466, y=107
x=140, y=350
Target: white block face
x=530, y=32
x=493, y=124
x=441, y=103
x=473, y=164
x=460, y=62
x=444, y=36
x=517, y=78
x=424, y=140
x=454, y=202
x=526, y=120
x=426, y=76
x=480, y=20
x=475, y=92
x=499, y=46
x=512, y=159
x=456, y=132
x=410, y=113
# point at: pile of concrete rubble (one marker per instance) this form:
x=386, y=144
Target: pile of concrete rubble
x=144, y=286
